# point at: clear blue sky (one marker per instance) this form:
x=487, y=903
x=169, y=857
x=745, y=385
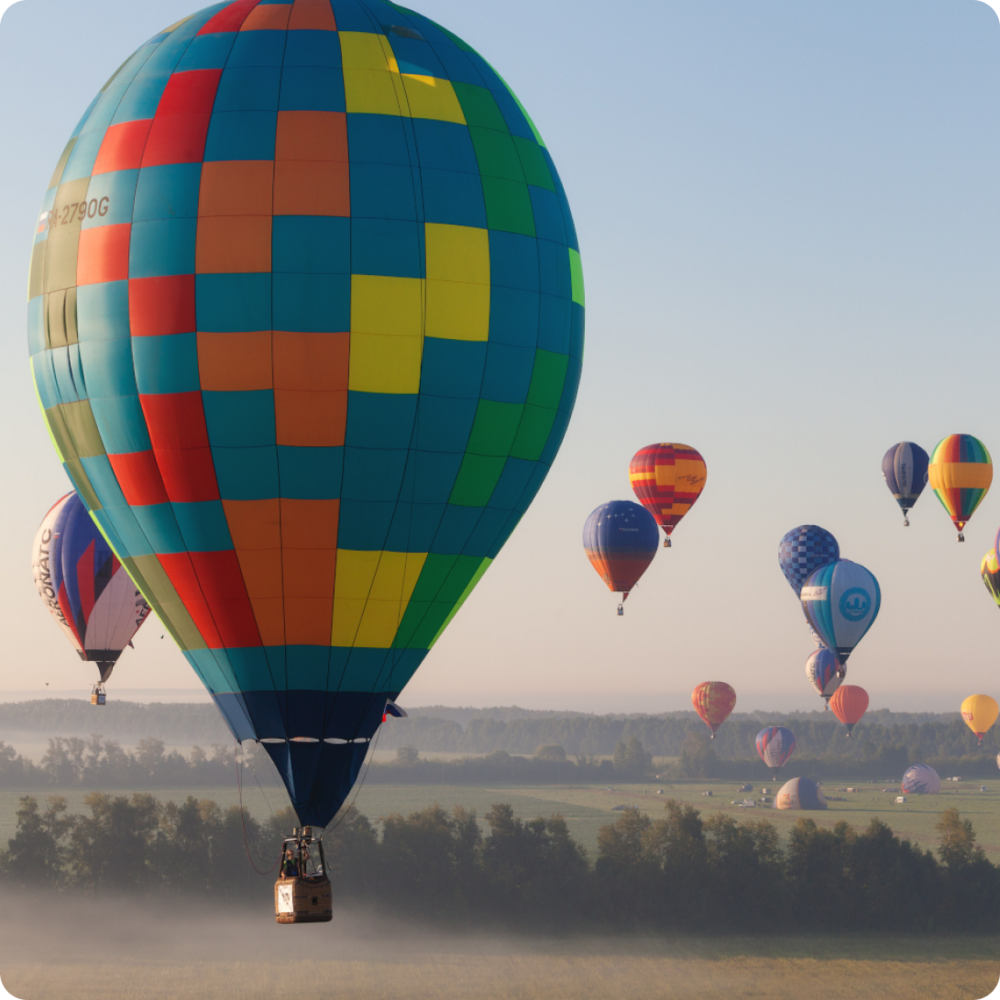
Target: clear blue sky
x=788, y=217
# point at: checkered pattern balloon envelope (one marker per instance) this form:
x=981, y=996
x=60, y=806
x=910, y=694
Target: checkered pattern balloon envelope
x=306, y=322
x=803, y=550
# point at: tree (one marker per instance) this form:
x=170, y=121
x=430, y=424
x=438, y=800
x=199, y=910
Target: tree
x=958, y=840
x=551, y=751
x=407, y=755
x=36, y=853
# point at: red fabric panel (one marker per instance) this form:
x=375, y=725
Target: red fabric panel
x=188, y=474
x=139, y=477
x=178, y=568
x=176, y=420
x=103, y=254
x=236, y=622
x=158, y=306
x=219, y=574
x=229, y=18
x=85, y=580
x=179, y=128
x=122, y=146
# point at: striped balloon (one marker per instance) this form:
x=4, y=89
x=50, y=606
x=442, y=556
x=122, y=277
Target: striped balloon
x=920, y=779
x=667, y=479
x=713, y=701
x=775, y=745
x=960, y=473
x=841, y=602
x=989, y=570
x=620, y=540
x=904, y=468
x=824, y=673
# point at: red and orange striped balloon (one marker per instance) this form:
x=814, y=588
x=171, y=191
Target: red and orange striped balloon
x=667, y=479
x=713, y=701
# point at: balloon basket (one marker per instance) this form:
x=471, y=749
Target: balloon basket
x=302, y=896
x=98, y=696
x=621, y=609
x=906, y=522
x=666, y=544
x=961, y=537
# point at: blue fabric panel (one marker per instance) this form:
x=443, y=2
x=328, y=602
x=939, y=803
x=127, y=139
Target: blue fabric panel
x=514, y=261
x=457, y=525
x=563, y=203
x=380, y=420
x=207, y=51
x=453, y=198
x=312, y=48
x=387, y=247
x=413, y=527
x=576, y=330
x=508, y=373
x=312, y=88
x=535, y=484
x=513, y=480
x=373, y=473
x=109, y=532
x=364, y=524
x=108, y=368
x=452, y=368
x=83, y=118
x=230, y=303
x=306, y=668
x=241, y=135
x=554, y=324
x=457, y=66
x=203, y=526
x=142, y=96
x=486, y=72
x=122, y=424
x=119, y=189
x=159, y=525
x=103, y=109
x=377, y=139
x=312, y=303
x=122, y=522
x=445, y=146
x=102, y=478
x=514, y=316
x=351, y=16
x=240, y=419
x=512, y=115
x=548, y=215
x=512, y=521
x=310, y=473
x=45, y=379
x=166, y=363
x=553, y=269
x=246, y=473
x=383, y=191
x=311, y=244
x=257, y=48
x=81, y=161
x=556, y=435
x=76, y=370
x=484, y=535
x=445, y=424
x=434, y=475
x=212, y=666
x=162, y=247
x=231, y=707
x=66, y=391
x=102, y=311
x=36, y=325
x=416, y=56
x=248, y=88
x=168, y=192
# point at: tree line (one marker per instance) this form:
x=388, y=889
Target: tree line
x=676, y=872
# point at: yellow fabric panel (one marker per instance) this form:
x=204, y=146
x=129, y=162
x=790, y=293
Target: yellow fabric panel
x=960, y=476
x=366, y=50
x=374, y=92
x=458, y=282
x=347, y=614
x=431, y=97
x=458, y=311
x=385, y=364
x=378, y=624
x=355, y=572
x=392, y=306
x=457, y=253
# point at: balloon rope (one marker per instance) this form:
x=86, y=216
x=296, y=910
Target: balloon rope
x=243, y=817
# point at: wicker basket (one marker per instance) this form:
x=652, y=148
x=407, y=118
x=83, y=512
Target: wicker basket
x=302, y=900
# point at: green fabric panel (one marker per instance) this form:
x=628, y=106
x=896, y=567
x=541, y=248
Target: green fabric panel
x=495, y=428
x=82, y=483
x=477, y=479
x=508, y=206
x=480, y=570
x=479, y=107
x=576, y=274
x=60, y=260
x=497, y=154
x=61, y=165
x=432, y=577
x=426, y=625
x=36, y=271
x=536, y=170
x=78, y=420
x=536, y=424
x=548, y=379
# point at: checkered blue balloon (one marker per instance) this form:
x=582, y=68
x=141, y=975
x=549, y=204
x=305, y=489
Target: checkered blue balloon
x=804, y=549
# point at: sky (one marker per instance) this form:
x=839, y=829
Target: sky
x=788, y=222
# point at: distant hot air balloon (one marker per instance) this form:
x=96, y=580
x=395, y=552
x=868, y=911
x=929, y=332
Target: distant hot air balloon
x=667, y=480
x=800, y=793
x=824, y=673
x=713, y=701
x=775, y=745
x=841, y=601
x=620, y=539
x=904, y=468
x=980, y=711
x=849, y=703
x=989, y=570
x=85, y=587
x=803, y=550
x=920, y=779
x=960, y=473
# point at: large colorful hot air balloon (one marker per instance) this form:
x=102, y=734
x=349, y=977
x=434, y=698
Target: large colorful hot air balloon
x=824, y=673
x=84, y=586
x=667, y=479
x=775, y=745
x=920, y=779
x=713, y=701
x=803, y=550
x=989, y=570
x=306, y=321
x=620, y=540
x=904, y=468
x=800, y=793
x=980, y=711
x=849, y=703
x=841, y=601
x=960, y=474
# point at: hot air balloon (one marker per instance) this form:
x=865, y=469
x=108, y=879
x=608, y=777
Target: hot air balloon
x=960, y=474
x=803, y=550
x=85, y=587
x=800, y=793
x=841, y=601
x=667, y=480
x=849, y=703
x=980, y=711
x=989, y=570
x=775, y=745
x=904, y=468
x=306, y=322
x=620, y=540
x=920, y=779
x=713, y=701
x=824, y=673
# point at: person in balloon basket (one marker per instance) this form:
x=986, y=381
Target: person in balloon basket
x=289, y=866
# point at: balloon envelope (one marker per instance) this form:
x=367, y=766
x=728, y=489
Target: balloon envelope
x=989, y=570
x=960, y=473
x=904, y=467
x=841, y=601
x=306, y=321
x=667, y=479
x=84, y=586
x=800, y=793
x=713, y=701
x=775, y=745
x=803, y=550
x=980, y=712
x=849, y=703
x=920, y=779
x=824, y=672
x=620, y=539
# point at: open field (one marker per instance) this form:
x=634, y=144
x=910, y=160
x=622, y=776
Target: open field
x=51, y=953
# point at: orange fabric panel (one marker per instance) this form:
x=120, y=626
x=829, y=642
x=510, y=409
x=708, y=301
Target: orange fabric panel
x=316, y=15
x=311, y=135
x=102, y=253
x=235, y=361
x=315, y=361
x=309, y=621
x=254, y=524
x=304, y=187
x=240, y=187
x=309, y=523
x=261, y=569
x=270, y=615
x=308, y=573
x=310, y=419
x=233, y=244
x=273, y=17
